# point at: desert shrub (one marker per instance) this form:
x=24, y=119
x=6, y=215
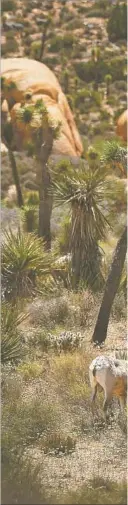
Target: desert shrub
x=91, y=71
x=66, y=341
x=121, y=85
x=51, y=62
x=72, y=309
x=59, y=42
x=118, y=112
x=35, y=49
x=74, y=24
x=117, y=23
x=25, y=419
x=68, y=40
x=70, y=371
x=117, y=68
x=56, y=443
x=11, y=341
x=65, y=14
x=97, y=13
x=115, y=156
x=55, y=43
x=21, y=482
x=11, y=46
x=30, y=370
x=99, y=491
x=119, y=307
x=82, y=95
x=23, y=261
x=8, y=5
x=50, y=312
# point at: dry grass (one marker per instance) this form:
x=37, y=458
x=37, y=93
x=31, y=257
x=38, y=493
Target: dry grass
x=47, y=414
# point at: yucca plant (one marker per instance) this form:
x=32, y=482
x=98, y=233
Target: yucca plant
x=11, y=346
x=23, y=261
x=85, y=192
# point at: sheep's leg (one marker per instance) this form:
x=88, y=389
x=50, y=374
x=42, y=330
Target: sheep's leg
x=93, y=396
x=122, y=403
x=106, y=404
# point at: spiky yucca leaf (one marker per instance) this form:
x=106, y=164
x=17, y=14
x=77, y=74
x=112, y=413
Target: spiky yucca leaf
x=11, y=319
x=11, y=346
x=23, y=260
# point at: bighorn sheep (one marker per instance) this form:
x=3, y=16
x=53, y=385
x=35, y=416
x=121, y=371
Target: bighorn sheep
x=111, y=374
x=122, y=126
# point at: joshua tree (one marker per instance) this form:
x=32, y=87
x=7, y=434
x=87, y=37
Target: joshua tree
x=112, y=283
x=7, y=136
x=34, y=119
x=85, y=194
x=113, y=155
x=44, y=35
x=42, y=133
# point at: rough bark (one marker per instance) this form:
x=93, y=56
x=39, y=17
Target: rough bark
x=45, y=193
x=113, y=280
x=43, y=40
x=16, y=178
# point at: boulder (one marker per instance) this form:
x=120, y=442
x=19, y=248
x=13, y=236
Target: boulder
x=35, y=79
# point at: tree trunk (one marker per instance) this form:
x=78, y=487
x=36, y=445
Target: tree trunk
x=45, y=193
x=43, y=40
x=100, y=331
x=16, y=178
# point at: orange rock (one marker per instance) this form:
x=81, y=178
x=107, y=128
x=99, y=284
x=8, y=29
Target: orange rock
x=36, y=78
x=122, y=125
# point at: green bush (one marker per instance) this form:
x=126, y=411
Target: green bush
x=35, y=49
x=117, y=23
x=68, y=40
x=92, y=71
x=55, y=43
x=61, y=42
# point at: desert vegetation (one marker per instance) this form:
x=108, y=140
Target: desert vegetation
x=64, y=278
